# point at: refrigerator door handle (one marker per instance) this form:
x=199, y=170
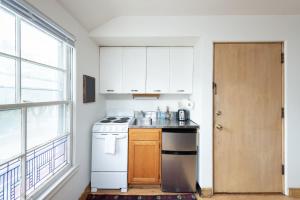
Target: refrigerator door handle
x=179, y=152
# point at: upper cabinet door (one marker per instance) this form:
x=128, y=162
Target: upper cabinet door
x=181, y=70
x=158, y=70
x=134, y=69
x=111, y=61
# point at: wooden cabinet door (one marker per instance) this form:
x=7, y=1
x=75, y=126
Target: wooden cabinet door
x=111, y=59
x=158, y=70
x=134, y=69
x=144, y=158
x=144, y=162
x=181, y=70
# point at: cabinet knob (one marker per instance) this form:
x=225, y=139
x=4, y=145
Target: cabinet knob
x=134, y=90
x=180, y=90
x=110, y=90
x=157, y=90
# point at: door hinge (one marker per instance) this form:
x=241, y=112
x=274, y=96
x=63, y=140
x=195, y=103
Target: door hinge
x=282, y=113
x=282, y=169
x=214, y=88
x=282, y=58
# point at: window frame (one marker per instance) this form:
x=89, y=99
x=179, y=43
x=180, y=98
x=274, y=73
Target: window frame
x=67, y=66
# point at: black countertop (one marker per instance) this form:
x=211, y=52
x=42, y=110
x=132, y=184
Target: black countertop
x=164, y=124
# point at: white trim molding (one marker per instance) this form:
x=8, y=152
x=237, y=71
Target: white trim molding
x=48, y=193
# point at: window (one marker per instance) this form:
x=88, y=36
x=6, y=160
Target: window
x=35, y=106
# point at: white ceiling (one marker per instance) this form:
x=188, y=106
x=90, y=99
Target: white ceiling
x=93, y=13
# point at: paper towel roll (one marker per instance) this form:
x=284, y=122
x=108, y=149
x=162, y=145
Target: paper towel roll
x=186, y=104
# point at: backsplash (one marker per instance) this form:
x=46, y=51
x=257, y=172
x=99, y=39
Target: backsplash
x=125, y=104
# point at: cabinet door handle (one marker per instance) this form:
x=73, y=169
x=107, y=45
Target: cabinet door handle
x=180, y=90
x=110, y=90
x=134, y=90
x=157, y=90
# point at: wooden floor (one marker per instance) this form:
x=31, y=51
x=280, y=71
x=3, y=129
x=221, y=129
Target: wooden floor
x=137, y=190
x=142, y=190
x=248, y=197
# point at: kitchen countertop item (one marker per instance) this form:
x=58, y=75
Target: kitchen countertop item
x=163, y=123
x=183, y=115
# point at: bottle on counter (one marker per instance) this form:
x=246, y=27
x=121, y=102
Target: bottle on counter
x=168, y=114
x=158, y=113
x=162, y=115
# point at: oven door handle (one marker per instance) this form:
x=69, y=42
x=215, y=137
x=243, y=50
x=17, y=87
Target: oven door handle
x=103, y=135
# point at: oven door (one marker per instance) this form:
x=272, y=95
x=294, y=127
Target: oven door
x=103, y=162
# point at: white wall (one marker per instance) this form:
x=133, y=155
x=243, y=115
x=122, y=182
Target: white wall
x=222, y=28
x=86, y=63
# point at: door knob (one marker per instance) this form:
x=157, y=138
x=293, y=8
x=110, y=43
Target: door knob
x=219, y=112
x=219, y=127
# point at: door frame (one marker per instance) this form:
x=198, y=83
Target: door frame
x=283, y=106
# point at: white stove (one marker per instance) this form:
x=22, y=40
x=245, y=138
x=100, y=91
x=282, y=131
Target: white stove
x=109, y=153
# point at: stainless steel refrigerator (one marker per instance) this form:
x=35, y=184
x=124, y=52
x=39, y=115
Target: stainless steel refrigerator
x=179, y=156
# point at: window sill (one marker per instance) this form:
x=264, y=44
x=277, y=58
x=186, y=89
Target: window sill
x=56, y=186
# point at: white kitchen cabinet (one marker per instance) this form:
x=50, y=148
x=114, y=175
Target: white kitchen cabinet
x=181, y=70
x=134, y=69
x=146, y=70
x=158, y=70
x=111, y=64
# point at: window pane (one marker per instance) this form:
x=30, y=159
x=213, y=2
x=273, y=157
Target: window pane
x=44, y=161
x=41, y=83
x=44, y=124
x=7, y=80
x=39, y=46
x=7, y=32
x=10, y=134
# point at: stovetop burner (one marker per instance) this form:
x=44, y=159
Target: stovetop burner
x=105, y=121
x=120, y=121
x=111, y=118
x=124, y=118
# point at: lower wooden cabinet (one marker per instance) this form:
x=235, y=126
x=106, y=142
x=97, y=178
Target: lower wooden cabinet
x=144, y=158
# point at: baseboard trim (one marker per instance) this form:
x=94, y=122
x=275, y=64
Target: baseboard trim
x=294, y=192
x=206, y=192
x=85, y=193
x=57, y=185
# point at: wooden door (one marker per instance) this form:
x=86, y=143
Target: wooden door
x=144, y=159
x=158, y=70
x=181, y=70
x=134, y=70
x=247, y=117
